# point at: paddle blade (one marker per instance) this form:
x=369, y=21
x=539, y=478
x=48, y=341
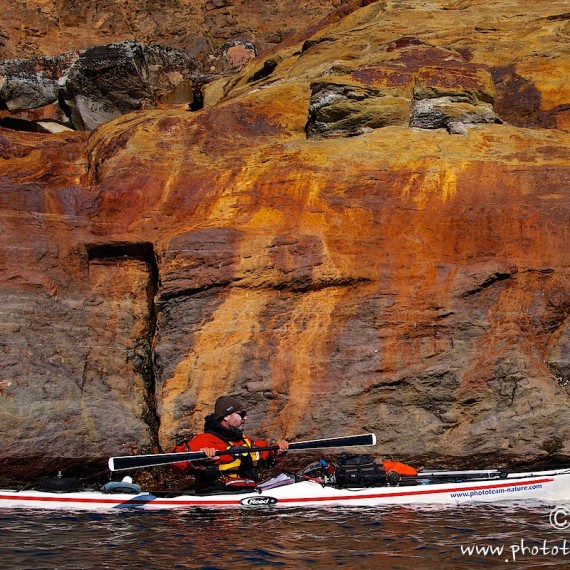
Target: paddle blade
x=139, y=461
x=346, y=441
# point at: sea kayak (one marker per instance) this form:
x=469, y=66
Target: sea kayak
x=428, y=487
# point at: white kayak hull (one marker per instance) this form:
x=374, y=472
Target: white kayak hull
x=551, y=486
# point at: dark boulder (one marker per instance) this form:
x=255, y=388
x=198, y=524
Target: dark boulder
x=114, y=79
x=32, y=83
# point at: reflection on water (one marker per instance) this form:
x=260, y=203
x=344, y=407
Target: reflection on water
x=518, y=535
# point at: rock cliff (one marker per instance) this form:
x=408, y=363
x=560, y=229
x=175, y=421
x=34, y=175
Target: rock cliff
x=207, y=30
x=364, y=230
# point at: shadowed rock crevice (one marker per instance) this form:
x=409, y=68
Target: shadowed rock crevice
x=301, y=285
x=143, y=251
x=488, y=282
x=558, y=354
x=308, y=44
x=264, y=71
x=140, y=354
x=38, y=126
x=295, y=285
x=212, y=288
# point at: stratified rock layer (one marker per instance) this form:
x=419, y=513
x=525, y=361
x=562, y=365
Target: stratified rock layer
x=381, y=273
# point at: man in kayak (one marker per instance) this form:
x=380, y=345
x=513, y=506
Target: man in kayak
x=223, y=429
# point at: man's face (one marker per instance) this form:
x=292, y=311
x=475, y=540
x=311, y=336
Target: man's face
x=235, y=420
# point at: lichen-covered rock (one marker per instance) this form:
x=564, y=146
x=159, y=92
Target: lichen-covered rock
x=115, y=79
x=450, y=113
x=32, y=83
x=345, y=110
x=98, y=84
x=410, y=83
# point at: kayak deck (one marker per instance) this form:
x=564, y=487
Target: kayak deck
x=427, y=488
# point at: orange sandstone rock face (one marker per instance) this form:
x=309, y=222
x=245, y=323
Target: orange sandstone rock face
x=354, y=237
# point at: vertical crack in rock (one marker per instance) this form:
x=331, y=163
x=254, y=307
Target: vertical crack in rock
x=140, y=353
x=265, y=71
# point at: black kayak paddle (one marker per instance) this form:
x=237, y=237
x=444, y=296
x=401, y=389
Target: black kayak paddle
x=156, y=459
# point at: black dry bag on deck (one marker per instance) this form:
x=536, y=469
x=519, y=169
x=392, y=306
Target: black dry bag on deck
x=358, y=471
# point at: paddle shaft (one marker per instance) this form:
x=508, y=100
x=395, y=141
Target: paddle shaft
x=139, y=461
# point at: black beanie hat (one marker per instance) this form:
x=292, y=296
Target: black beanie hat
x=226, y=405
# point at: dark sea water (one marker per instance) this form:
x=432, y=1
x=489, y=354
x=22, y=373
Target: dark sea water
x=417, y=538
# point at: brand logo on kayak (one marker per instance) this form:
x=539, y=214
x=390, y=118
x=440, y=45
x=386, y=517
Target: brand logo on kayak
x=258, y=501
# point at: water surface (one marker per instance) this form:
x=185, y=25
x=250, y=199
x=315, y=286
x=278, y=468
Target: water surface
x=510, y=535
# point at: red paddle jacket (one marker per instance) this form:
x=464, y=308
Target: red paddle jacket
x=223, y=468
